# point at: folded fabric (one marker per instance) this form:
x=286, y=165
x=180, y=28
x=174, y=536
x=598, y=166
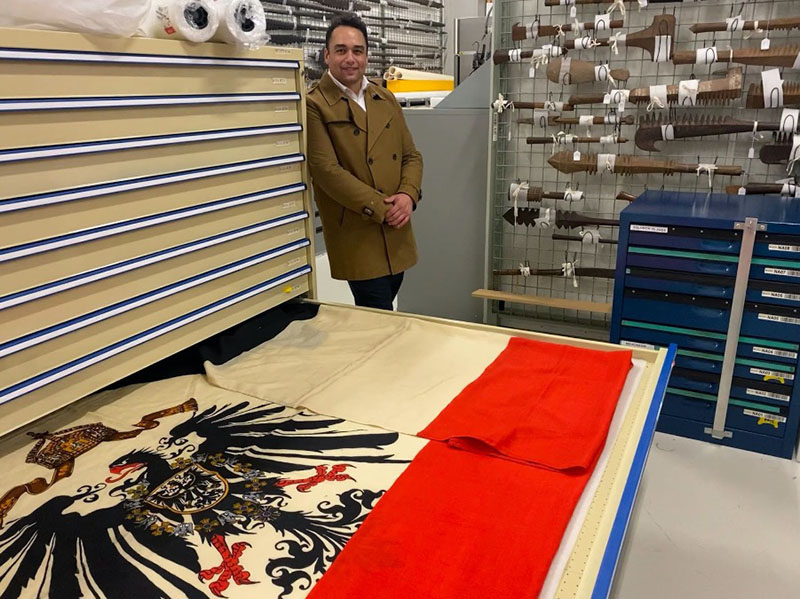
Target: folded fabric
x=458, y=525
x=538, y=402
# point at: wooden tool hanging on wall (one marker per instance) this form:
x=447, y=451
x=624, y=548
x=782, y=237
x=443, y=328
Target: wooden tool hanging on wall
x=588, y=120
x=776, y=56
x=535, y=29
x=518, y=55
x=791, y=95
x=537, y=194
x=656, y=129
x=708, y=92
x=564, y=218
x=561, y=2
x=657, y=39
x=560, y=237
x=784, y=189
x=739, y=24
x=568, y=71
x=631, y=165
x=567, y=139
x=577, y=271
x=775, y=153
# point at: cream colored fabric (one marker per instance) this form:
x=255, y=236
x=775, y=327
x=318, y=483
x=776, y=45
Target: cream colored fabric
x=381, y=369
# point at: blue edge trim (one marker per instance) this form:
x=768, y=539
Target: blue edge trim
x=605, y=576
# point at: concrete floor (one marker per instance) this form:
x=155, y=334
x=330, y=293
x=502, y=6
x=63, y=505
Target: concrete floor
x=710, y=522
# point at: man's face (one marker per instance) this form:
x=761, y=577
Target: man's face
x=346, y=55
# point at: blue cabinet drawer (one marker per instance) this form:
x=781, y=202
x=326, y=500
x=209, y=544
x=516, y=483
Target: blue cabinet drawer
x=686, y=238
x=712, y=264
x=780, y=294
x=770, y=392
x=777, y=245
x=657, y=279
x=771, y=269
x=742, y=415
x=712, y=314
x=753, y=348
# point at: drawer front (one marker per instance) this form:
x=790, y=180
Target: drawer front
x=742, y=415
x=769, y=269
x=686, y=238
x=777, y=246
x=711, y=264
x=751, y=348
x=676, y=309
x=771, y=392
x=771, y=321
x=679, y=282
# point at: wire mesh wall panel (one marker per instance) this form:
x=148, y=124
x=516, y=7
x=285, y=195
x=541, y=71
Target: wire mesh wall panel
x=405, y=33
x=546, y=245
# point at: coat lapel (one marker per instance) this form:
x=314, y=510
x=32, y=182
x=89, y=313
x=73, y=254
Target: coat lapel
x=333, y=94
x=379, y=113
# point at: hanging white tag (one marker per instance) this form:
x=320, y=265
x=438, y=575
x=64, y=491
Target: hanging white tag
x=687, y=92
x=586, y=120
x=602, y=22
x=573, y=12
x=735, y=23
x=658, y=97
x=563, y=74
x=751, y=153
x=789, y=120
x=540, y=117
x=765, y=44
x=706, y=55
x=772, y=88
x=662, y=48
x=576, y=156
x=584, y=43
x=532, y=31
x=668, y=132
x=742, y=191
x=601, y=72
x=796, y=64
x=573, y=195
x=606, y=163
x=642, y=4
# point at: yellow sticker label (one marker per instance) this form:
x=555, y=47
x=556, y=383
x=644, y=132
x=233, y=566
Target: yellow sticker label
x=288, y=289
x=771, y=421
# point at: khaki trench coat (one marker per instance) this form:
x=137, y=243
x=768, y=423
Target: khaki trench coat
x=356, y=160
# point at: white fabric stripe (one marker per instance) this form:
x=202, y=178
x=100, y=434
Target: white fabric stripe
x=125, y=228
x=92, y=193
x=33, y=386
x=93, y=147
x=152, y=260
x=22, y=54
x=60, y=103
x=143, y=302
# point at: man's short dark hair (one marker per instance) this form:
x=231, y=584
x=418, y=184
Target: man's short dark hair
x=345, y=20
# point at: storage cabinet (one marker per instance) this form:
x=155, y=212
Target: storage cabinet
x=684, y=259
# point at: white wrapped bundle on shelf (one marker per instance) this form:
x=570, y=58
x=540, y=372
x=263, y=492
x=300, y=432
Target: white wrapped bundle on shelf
x=190, y=20
x=241, y=22
x=397, y=73
x=103, y=17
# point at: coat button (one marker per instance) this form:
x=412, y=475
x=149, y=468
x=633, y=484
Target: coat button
x=368, y=211
x=356, y=132
x=394, y=156
x=370, y=161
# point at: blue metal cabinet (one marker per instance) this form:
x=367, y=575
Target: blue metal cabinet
x=675, y=282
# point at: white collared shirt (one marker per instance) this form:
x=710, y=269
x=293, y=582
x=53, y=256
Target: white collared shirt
x=358, y=98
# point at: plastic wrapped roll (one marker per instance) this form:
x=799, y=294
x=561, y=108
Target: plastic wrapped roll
x=105, y=17
x=190, y=20
x=401, y=73
x=241, y=22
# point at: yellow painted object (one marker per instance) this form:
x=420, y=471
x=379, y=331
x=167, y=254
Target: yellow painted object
x=419, y=85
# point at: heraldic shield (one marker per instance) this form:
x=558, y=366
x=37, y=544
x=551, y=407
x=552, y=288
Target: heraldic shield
x=189, y=491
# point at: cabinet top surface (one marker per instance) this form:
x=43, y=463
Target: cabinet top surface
x=665, y=206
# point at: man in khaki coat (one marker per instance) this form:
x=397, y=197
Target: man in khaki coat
x=365, y=170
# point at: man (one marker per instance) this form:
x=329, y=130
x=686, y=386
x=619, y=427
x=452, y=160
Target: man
x=365, y=170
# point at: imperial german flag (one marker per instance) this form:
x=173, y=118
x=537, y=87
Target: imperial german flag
x=481, y=510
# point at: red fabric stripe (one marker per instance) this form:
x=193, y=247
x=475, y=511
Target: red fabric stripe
x=465, y=524
x=457, y=525
x=539, y=403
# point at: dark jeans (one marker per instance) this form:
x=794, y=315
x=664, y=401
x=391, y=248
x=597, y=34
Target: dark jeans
x=376, y=293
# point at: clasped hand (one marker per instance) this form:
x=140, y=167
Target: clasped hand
x=400, y=212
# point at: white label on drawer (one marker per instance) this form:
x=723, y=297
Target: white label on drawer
x=782, y=272
x=282, y=109
x=286, y=168
x=293, y=231
x=765, y=416
x=281, y=50
x=289, y=205
x=636, y=344
x=776, y=318
x=760, y=393
x=279, y=81
x=295, y=262
x=775, y=352
x=778, y=295
x=649, y=229
x=779, y=247
x=282, y=143
x=772, y=374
